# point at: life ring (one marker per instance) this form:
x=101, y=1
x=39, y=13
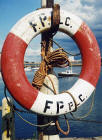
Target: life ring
x=12, y=61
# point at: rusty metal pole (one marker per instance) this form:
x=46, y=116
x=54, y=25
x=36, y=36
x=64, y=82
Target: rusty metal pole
x=51, y=132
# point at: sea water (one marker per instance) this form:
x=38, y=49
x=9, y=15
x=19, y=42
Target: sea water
x=87, y=128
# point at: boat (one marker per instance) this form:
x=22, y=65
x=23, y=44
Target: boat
x=35, y=68
x=67, y=73
x=28, y=69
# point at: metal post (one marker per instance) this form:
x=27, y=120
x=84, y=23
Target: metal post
x=50, y=132
x=8, y=130
x=43, y=3
x=47, y=3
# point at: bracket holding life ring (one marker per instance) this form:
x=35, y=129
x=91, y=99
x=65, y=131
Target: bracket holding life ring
x=12, y=59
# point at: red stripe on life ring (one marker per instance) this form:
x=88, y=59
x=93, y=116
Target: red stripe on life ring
x=90, y=52
x=13, y=71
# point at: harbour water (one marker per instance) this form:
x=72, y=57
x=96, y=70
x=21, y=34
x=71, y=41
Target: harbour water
x=87, y=128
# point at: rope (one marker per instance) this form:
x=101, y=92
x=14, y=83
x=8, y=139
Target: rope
x=54, y=90
x=88, y=113
x=0, y=108
x=57, y=123
x=16, y=109
x=57, y=58
x=73, y=100
x=28, y=122
x=83, y=120
x=69, y=53
x=13, y=106
x=60, y=129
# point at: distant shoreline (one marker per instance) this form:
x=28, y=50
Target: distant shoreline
x=33, y=64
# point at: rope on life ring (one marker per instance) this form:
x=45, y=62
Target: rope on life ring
x=12, y=59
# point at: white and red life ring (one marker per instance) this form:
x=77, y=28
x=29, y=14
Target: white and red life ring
x=13, y=63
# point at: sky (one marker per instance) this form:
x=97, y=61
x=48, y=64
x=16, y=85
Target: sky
x=13, y=10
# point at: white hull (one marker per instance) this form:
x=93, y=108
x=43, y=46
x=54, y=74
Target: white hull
x=28, y=69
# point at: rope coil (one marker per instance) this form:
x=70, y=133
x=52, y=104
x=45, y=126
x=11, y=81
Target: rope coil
x=57, y=58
